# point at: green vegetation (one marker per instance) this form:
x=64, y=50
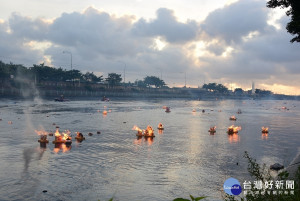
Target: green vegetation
x=192, y=198
x=154, y=81
x=214, y=87
x=44, y=73
x=16, y=75
x=113, y=79
x=261, y=173
x=293, y=27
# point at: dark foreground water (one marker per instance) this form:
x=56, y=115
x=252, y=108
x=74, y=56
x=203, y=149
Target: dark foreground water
x=185, y=159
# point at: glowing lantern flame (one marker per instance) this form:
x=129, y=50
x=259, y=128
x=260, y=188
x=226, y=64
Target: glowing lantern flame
x=136, y=128
x=233, y=118
x=41, y=132
x=212, y=129
x=57, y=133
x=160, y=126
x=139, y=131
x=66, y=135
x=104, y=112
x=233, y=129
x=264, y=129
x=149, y=131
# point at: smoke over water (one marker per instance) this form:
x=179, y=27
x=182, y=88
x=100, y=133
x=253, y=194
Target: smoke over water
x=30, y=180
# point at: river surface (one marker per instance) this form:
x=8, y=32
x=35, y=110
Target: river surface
x=185, y=159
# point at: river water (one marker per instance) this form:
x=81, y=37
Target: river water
x=185, y=159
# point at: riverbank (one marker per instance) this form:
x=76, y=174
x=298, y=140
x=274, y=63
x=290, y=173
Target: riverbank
x=73, y=92
x=294, y=165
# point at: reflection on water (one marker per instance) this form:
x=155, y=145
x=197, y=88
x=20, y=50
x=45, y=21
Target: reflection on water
x=143, y=140
x=233, y=138
x=61, y=147
x=181, y=160
x=264, y=136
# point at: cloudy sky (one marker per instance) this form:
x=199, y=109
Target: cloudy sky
x=232, y=42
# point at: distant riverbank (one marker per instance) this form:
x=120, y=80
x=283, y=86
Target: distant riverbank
x=75, y=92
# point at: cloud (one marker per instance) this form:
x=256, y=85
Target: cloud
x=14, y=49
x=236, y=20
x=26, y=28
x=166, y=26
x=233, y=44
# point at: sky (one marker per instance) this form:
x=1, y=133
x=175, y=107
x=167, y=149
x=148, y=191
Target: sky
x=231, y=42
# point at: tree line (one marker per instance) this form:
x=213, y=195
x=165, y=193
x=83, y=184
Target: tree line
x=42, y=72
x=38, y=73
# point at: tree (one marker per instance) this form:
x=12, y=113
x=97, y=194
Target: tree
x=293, y=27
x=140, y=83
x=91, y=77
x=114, y=79
x=238, y=91
x=263, y=92
x=154, y=81
x=215, y=87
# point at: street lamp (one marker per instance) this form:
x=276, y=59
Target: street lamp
x=67, y=52
x=184, y=78
x=124, y=69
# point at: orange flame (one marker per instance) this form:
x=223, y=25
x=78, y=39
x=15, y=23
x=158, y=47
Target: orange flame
x=149, y=131
x=234, y=129
x=160, y=126
x=57, y=133
x=41, y=132
x=232, y=118
x=264, y=129
x=136, y=128
x=66, y=135
x=212, y=129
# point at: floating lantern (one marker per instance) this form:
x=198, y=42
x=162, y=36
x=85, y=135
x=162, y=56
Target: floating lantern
x=50, y=134
x=168, y=110
x=79, y=137
x=43, y=139
x=232, y=118
x=160, y=126
x=43, y=136
x=104, y=112
x=264, y=129
x=63, y=137
x=233, y=129
x=149, y=132
x=239, y=111
x=9, y=122
x=194, y=110
x=90, y=134
x=139, y=131
x=212, y=130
